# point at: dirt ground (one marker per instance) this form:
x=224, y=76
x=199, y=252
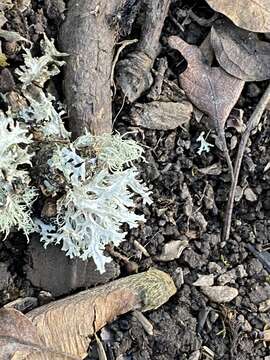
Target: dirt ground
x=189, y=326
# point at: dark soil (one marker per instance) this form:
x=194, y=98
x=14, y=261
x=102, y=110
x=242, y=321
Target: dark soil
x=189, y=323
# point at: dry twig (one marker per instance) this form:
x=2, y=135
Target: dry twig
x=252, y=123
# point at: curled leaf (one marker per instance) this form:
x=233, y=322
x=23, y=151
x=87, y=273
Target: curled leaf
x=19, y=339
x=172, y=250
x=240, y=52
x=253, y=15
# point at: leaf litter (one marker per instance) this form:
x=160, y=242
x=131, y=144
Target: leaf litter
x=240, y=52
x=211, y=89
x=253, y=15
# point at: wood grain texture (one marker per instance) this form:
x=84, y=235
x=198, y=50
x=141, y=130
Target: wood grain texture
x=89, y=37
x=67, y=324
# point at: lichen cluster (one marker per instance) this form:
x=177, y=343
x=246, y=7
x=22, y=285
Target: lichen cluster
x=92, y=180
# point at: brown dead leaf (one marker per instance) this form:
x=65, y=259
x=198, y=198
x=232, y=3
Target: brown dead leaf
x=240, y=52
x=19, y=339
x=211, y=89
x=253, y=15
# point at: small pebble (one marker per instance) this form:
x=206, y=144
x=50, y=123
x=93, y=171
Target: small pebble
x=220, y=294
x=204, y=280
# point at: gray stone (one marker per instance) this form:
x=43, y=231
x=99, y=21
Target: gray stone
x=220, y=294
x=259, y=293
x=204, y=280
x=215, y=268
x=195, y=355
x=232, y=275
x=193, y=259
x=51, y=270
x=250, y=195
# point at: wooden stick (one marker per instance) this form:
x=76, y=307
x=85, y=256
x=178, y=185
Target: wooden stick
x=89, y=38
x=252, y=123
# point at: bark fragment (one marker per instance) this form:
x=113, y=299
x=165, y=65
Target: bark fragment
x=161, y=115
x=133, y=74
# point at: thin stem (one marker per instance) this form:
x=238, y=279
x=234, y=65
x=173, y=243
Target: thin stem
x=252, y=123
x=226, y=153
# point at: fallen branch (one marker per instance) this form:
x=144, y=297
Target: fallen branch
x=89, y=35
x=63, y=329
x=252, y=123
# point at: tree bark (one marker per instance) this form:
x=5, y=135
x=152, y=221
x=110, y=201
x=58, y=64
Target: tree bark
x=89, y=35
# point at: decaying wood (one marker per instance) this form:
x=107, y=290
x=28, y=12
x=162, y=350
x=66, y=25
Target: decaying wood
x=65, y=327
x=133, y=74
x=155, y=91
x=89, y=35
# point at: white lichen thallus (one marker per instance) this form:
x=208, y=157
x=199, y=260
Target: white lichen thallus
x=100, y=179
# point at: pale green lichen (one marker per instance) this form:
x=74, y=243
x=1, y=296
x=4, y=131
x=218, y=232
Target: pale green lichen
x=205, y=146
x=42, y=115
x=98, y=181
x=95, y=206
x=39, y=70
x=16, y=196
x=15, y=205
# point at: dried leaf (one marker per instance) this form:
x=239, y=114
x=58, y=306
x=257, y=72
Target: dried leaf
x=19, y=339
x=63, y=329
x=240, y=52
x=161, y=115
x=12, y=36
x=253, y=15
x=212, y=90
